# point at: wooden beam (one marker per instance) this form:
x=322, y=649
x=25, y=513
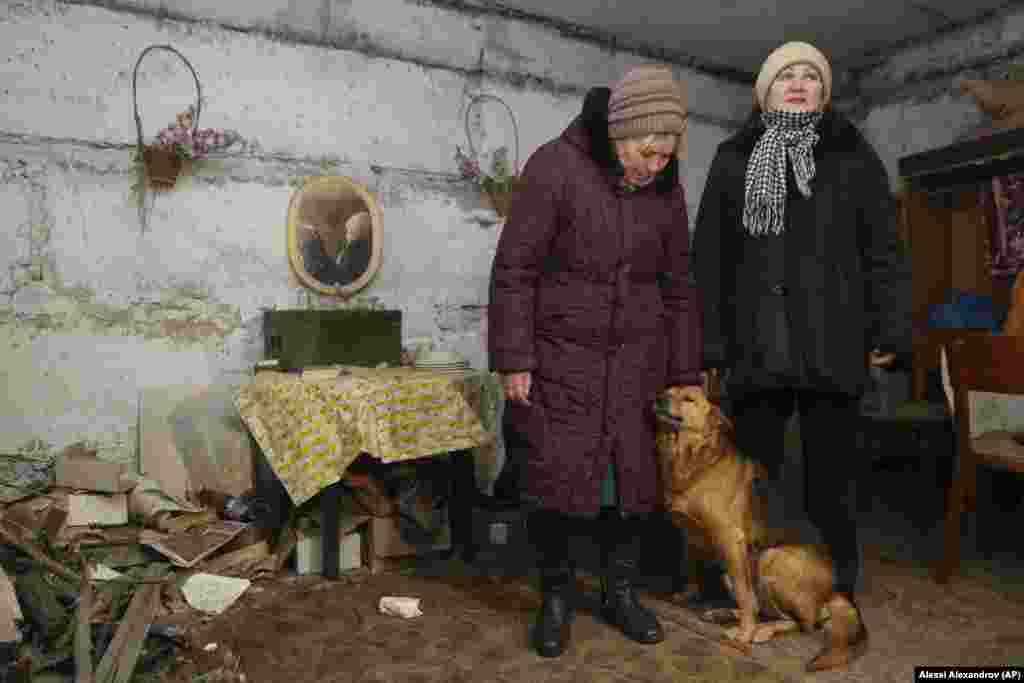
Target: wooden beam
x=33, y=551
x=83, y=632
x=118, y=662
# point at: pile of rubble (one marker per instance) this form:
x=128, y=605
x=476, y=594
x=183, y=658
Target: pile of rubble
x=101, y=573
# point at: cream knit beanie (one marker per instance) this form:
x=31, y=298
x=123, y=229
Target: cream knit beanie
x=787, y=55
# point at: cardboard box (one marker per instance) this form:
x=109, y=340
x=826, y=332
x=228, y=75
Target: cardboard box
x=309, y=552
x=98, y=510
x=384, y=543
x=79, y=470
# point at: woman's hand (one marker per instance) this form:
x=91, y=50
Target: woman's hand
x=877, y=359
x=517, y=387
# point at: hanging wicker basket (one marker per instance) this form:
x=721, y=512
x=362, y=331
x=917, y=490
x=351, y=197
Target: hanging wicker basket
x=163, y=165
x=162, y=162
x=499, y=200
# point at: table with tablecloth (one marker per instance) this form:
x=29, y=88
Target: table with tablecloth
x=312, y=427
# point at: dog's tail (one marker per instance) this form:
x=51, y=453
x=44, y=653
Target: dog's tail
x=847, y=636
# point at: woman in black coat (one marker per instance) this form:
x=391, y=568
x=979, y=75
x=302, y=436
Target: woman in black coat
x=803, y=283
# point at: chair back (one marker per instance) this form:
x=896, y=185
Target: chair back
x=992, y=363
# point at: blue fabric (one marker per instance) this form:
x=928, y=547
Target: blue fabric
x=965, y=310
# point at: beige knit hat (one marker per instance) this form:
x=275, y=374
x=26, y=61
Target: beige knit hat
x=787, y=55
x=647, y=100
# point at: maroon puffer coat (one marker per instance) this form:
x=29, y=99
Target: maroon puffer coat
x=590, y=291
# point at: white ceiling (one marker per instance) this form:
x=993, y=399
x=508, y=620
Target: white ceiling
x=738, y=34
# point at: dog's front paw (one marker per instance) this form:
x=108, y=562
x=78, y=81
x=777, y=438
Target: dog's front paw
x=734, y=638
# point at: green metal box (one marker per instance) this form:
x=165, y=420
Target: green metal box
x=301, y=337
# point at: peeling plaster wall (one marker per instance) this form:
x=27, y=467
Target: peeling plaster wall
x=93, y=309
x=911, y=100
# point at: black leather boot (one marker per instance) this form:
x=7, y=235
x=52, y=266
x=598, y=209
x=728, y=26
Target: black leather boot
x=552, y=628
x=549, y=534
x=619, y=603
x=620, y=607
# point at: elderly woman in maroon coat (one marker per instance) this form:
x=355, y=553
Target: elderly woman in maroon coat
x=592, y=313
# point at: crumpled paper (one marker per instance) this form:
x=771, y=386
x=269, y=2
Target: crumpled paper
x=407, y=608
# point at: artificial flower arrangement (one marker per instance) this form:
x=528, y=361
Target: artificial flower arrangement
x=180, y=147
x=499, y=184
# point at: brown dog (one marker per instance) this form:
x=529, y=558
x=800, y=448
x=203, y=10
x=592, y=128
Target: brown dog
x=708, y=490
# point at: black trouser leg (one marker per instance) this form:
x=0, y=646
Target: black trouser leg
x=828, y=424
x=619, y=540
x=760, y=419
x=549, y=534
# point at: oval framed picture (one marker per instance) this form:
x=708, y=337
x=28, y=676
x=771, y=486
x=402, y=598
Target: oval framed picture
x=334, y=235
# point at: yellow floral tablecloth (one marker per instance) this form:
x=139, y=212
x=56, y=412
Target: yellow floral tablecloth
x=312, y=429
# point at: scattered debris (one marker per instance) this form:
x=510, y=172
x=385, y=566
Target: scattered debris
x=106, y=573
x=187, y=548
x=150, y=506
x=211, y=593
x=118, y=662
x=8, y=600
x=245, y=561
x=83, y=632
x=10, y=611
x=78, y=468
x=97, y=510
x=26, y=472
x=407, y=608
x=33, y=551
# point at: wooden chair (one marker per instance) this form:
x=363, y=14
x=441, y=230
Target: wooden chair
x=994, y=364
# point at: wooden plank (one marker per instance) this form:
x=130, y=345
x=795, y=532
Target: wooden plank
x=10, y=611
x=83, y=632
x=967, y=176
x=118, y=662
x=188, y=548
x=244, y=559
x=969, y=245
x=8, y=598
x=33, y=551
x=970, y=154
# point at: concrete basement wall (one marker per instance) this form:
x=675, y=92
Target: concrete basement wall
x=93, y=309
x=911, y=100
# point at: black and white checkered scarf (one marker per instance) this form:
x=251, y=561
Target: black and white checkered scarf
x=787, y=134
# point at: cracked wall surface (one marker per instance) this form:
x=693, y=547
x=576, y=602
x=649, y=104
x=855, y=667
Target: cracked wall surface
x=94, y=309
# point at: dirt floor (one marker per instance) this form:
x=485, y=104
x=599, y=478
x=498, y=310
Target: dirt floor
x=475, y=628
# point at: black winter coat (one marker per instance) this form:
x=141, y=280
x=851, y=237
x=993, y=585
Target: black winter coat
x=590, y=291
x=843, y=280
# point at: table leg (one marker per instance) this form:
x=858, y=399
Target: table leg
x=460, y=507
x=330, y=504
x=268, y=488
